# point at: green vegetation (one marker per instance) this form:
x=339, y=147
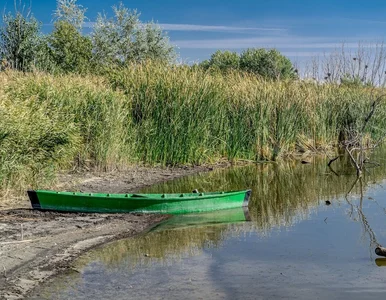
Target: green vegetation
x=115, y=98
x=269, y=64
x=123, y=39
x=157, y=113
x=116, y=41
x=223, y=60
x=70, y=50
x=19, y=41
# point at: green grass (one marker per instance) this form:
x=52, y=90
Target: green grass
x=158, y=114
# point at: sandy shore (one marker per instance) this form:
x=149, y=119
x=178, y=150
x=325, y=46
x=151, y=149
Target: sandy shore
x=35, y=246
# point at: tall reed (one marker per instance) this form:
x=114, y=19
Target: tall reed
x=168, y=115
x=186, y=115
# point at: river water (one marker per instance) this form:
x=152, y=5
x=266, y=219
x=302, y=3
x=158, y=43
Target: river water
x=291, y=244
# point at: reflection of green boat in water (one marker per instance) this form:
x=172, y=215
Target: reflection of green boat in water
x=176, y=237
x=226, y=216
x=143, y=203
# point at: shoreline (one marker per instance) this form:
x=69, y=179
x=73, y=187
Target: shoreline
x=36, y=246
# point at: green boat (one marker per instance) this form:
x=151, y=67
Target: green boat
x=141, y=203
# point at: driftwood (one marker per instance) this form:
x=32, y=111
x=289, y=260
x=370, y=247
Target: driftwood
x=380, y=251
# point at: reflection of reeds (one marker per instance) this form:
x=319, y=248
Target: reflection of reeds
x=163, y=245
x=281, y=195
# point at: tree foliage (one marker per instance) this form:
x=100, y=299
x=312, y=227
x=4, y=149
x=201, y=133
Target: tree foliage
x=124, y=38
x=114, y=41
x=269, y=64
x=151, y=43
x=44, y=60
x=223, y=60
x=19, y=39
x=70, y=12
x=70, y=50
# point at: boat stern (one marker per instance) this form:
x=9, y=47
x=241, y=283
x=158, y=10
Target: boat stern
x=33, y=197
x=247, y=197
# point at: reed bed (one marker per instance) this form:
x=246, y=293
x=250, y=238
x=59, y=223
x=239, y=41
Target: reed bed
x=168, y=115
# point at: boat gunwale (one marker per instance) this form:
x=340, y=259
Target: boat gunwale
x=146, y=197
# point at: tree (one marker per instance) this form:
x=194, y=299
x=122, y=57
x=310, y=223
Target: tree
x=124, y=38
x=267, y=63
x=19, y=38
x=71, y=51
x=205, y=64
x=44, y=60
x=223, y=60
x=70, y=12
x=150, y=43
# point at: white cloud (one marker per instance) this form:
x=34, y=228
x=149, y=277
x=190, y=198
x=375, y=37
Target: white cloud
x=205, y=28
x=303, y=53
x=282, y=42
x=210, y=28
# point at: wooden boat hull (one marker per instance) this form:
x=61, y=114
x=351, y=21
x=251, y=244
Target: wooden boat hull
x=142, y=203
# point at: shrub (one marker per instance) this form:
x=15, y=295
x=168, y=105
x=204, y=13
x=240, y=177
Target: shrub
x=269, y=64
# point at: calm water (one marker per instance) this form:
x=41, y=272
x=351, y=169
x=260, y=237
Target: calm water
x=294, y=246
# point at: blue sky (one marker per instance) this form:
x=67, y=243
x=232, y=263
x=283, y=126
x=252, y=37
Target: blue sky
x=300, y=29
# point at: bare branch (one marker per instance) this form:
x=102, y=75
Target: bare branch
x=332, y=160
x=373, y=106
x=355, y=163
x=333, y=171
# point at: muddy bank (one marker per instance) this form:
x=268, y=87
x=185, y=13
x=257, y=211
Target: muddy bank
x=35, y=246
